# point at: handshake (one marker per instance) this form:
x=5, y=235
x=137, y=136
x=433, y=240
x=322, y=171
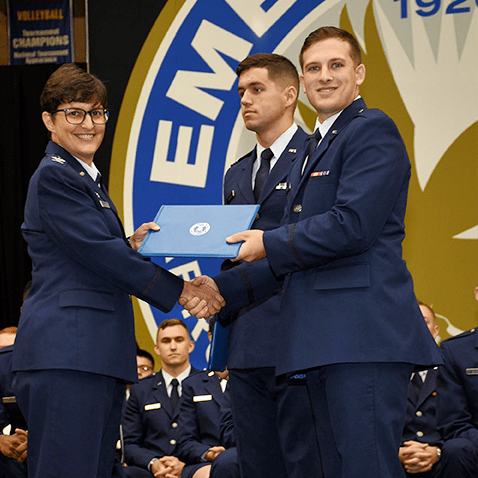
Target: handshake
x=201, y=297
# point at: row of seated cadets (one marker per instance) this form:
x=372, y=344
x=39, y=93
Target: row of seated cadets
x=440, y=437
x=153, y=424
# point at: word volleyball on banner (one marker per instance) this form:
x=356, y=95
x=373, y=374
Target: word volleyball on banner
x=40, y=31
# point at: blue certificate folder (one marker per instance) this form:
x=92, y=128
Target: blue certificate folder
x=198, y=231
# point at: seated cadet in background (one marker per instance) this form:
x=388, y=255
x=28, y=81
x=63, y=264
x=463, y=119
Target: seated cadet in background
x=150, y=419
x=13, y=446
x=145, y=362
x=199, y=440
x=457, y=404
x=421, y=443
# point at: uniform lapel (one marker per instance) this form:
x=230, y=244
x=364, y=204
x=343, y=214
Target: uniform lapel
x=161, y=395
x=244, y=183
x=297, y=178
x=281, y=169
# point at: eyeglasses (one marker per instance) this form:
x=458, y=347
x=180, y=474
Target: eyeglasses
x=77, y=115
x=144, y=368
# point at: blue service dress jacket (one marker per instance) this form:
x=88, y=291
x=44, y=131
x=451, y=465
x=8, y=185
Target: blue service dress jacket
x=348, y=296
x=150, y=427
x=256, y=321
x=199, y=416
x=78, y=314
x=421, y=424
x=457, y=408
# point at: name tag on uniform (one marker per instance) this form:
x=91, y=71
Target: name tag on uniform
x=472, y=371
x=202, y=398
x=152, y=406
x=281, y=186
x=105, y=204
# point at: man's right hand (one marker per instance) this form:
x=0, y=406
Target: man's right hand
x=200, y=297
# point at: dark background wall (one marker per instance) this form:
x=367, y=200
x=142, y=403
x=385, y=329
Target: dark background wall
x=117, y=30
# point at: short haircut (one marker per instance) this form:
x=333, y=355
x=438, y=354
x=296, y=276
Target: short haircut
x=145, y=354
x=324, y=33
x=70, y=83
x=9, y=330
x=427, y=306
x=280, y=68
x=171, y=323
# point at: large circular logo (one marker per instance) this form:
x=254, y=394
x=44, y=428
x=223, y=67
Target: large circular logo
x=180, y=126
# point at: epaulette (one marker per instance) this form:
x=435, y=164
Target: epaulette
x=463, y=334
x=240, y=159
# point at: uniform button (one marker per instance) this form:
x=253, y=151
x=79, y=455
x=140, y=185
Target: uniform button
x=297, y=208
x=418, y=413
x=419, y=434
x=174, y=425
x=172, y=442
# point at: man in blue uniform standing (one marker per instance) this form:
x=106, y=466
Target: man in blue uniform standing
x=348, y=316
x=265, y=412
x=457, y=405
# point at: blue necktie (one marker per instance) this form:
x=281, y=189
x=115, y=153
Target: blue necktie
x=263, y=172
x=313, y=141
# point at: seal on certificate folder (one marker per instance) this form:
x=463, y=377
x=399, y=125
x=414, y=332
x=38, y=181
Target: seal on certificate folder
x=199, y=229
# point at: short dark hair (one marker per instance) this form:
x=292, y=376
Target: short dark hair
x=70, y=83
x=145, y=354
x=323, y=33
x=427, y=306
x=279, y=67
x=172, y=323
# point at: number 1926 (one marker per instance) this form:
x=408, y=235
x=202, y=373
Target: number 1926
x=430, y=7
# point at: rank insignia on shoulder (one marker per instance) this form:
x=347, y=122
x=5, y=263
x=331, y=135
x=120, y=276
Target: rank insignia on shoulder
x=319, y=173
x=57, y=159
x=105, y=204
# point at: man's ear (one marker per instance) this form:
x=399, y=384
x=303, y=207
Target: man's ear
x=291, y=94
x=301, y=79
x=48, y=121
x=360, y=74
x=156, y=349
x=191, y=346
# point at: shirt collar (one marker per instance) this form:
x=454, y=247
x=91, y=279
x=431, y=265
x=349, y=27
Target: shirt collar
x=91, y=170
x=168, y=378
x=327, y=124
x=279, y=145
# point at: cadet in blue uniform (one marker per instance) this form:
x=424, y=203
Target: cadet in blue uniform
x=150, y=419
x=75, y=348
x=199, y=422
x=13, y=447
x=421, y=443
x=457, y=406
x=266, y=412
